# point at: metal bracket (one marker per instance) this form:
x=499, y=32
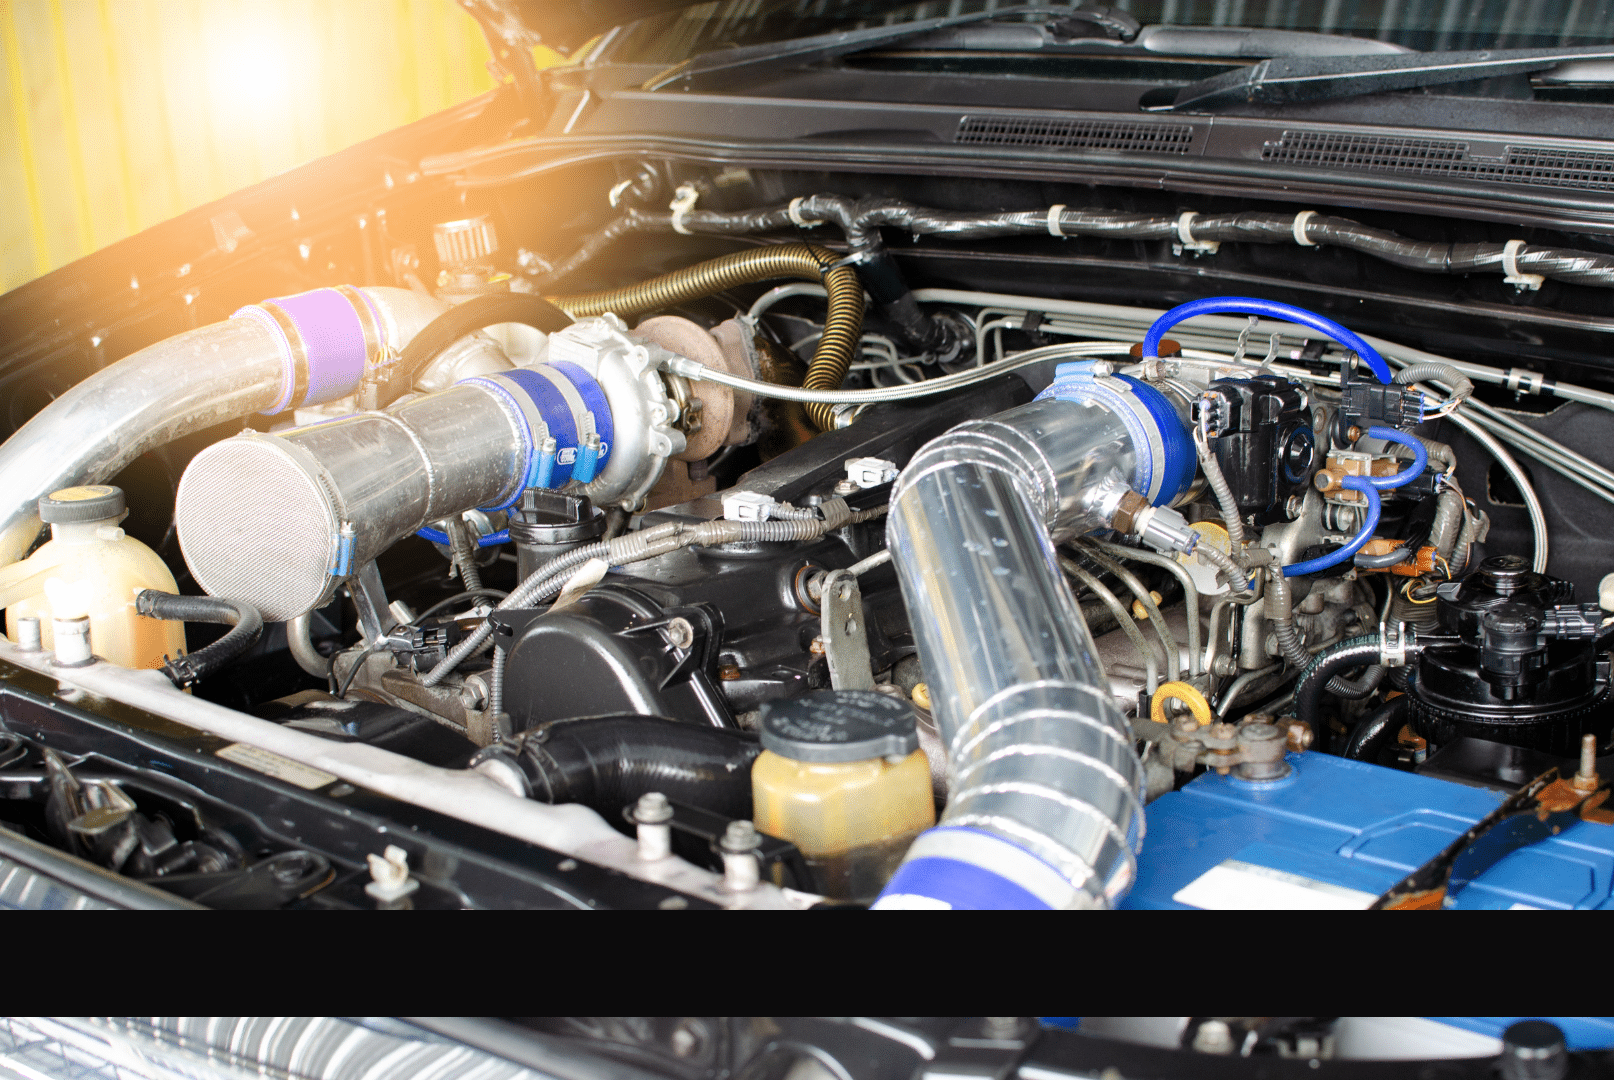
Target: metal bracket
x=846, y=639
x=375, y=615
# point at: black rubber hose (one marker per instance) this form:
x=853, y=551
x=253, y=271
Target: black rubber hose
x=245, y=622
x=1374, y=728
x=1352, y=652
x=862, y=219
x=467, y=318
x=607, y=762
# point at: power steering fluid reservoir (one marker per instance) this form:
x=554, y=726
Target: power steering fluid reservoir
x=92, y=568
x=842, y=777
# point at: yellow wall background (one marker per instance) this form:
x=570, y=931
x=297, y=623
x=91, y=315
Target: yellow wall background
x=118, y=114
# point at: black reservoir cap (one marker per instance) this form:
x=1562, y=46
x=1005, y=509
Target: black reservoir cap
x=831, y=726
x=90, y=502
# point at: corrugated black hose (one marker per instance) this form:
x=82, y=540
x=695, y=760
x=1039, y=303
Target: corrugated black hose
x=243, y=619
x=1352, y=652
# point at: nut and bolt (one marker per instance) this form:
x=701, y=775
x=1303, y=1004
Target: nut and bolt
x=728, y=672
x=1300, y=736
x=817, y=647
x=679, y=633
x=687, y=1038
x=1586, y=779
x=651, y=815
x=29, y=637
x=72, y=642
x=474, y=693
x=846, y=487
x=1000, y=1027
x=739, y=845
x=1213, y=1037
x=1293, y=507
x=921, y=695
x=1353, y=433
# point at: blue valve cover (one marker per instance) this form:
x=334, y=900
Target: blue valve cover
x=1337, y=834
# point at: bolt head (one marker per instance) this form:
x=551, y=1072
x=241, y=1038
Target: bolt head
x=739, y=837
x=652, y=809
x=679, y=633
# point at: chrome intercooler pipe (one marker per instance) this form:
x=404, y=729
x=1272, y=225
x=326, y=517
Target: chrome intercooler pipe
x=1046, y=804
x=295, y=350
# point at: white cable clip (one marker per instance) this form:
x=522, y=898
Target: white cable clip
x=684, y=200
x=1186, y=236
x=615, y=194
x=1053, y=220
x=795, y=214
x=1510, y=267
x=1300, y=228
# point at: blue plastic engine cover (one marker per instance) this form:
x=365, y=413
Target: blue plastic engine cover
x=1338, y=834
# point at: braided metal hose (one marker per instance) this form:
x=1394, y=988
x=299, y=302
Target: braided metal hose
x=843, y=325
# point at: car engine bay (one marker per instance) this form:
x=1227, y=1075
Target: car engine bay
x=649, y=532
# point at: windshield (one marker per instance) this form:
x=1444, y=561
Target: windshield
x=1425, y=25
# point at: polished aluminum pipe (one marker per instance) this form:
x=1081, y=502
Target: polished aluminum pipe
x=278, y=520
x=1046, y=790
x=191, y=382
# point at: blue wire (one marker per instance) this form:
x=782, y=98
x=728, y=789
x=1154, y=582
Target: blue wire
x=1334, y=558
x=1248, y=305
x=1420, y=458
x=438, y=536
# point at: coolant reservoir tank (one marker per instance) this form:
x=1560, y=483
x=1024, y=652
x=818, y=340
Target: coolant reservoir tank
x=92, y=567
x=842, y=777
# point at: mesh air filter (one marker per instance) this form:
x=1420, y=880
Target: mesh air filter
x=255, y=527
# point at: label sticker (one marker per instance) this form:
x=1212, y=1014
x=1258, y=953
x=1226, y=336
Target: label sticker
x=1240, y=886
x=281, y=768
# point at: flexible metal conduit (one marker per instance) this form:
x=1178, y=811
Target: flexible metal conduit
x=1046, y=790
x=194, y=381
x=843, y=325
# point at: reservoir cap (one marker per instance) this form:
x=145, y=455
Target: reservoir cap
x=91, y=502
x=831, y=726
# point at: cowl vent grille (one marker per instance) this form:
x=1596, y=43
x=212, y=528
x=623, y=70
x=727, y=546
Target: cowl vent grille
x=1075, y=134
x=1528, y=165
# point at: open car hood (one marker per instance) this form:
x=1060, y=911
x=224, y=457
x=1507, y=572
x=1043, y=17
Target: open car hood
x=562, y=25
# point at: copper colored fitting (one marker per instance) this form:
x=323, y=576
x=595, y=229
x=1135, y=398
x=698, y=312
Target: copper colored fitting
x=1126, y=514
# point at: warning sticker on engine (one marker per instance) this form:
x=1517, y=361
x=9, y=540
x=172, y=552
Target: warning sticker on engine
x=1233, y=885
x=281, y=768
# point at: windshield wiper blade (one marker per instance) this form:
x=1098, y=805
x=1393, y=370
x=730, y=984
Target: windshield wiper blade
x=1295, y=80
x=806, y=50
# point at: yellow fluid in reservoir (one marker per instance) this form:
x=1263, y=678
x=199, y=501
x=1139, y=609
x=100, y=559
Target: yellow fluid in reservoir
x=94, y=568
x=852, y=820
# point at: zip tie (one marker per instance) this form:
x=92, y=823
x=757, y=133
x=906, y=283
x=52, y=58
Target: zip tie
x=1510, y=267
x=795, y=214
x=1185, y=234
x=1300, y=228
x=683, y=202
x=1053, y=220
x=616, y=192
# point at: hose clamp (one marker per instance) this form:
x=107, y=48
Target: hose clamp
x=1393, y=643
x=794, y=211
x=1054, y=227
x=1185, y=235
x=1510, y=267
x=1300, y=228
x=684, y=200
